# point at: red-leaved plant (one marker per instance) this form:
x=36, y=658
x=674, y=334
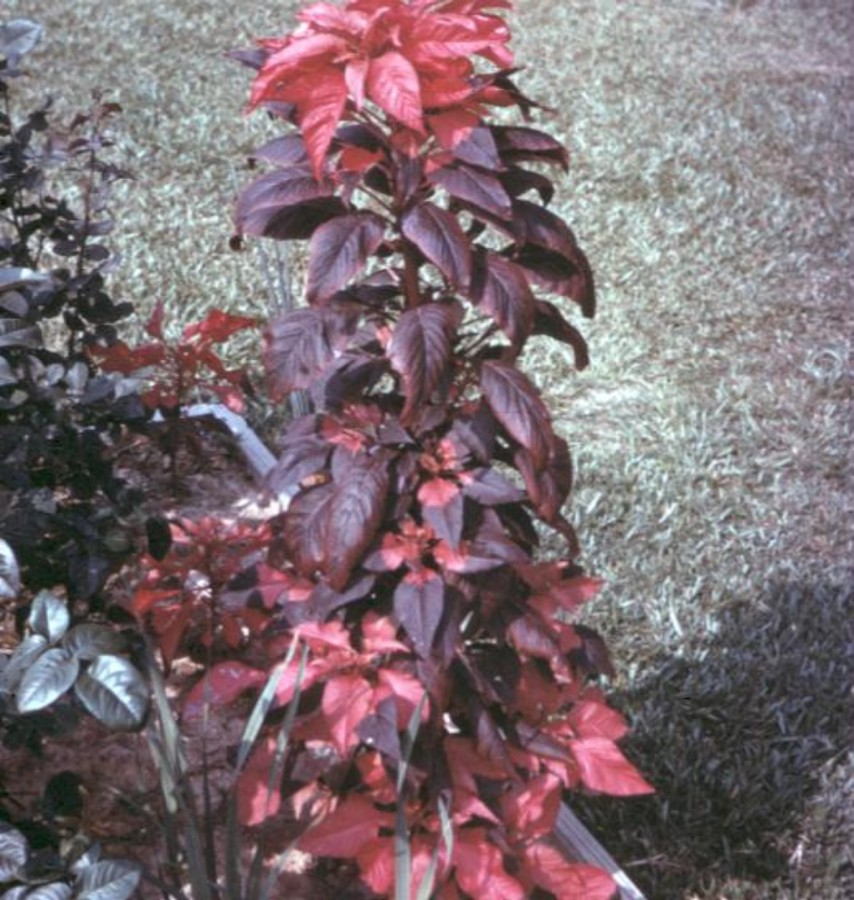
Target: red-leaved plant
x=447, y=687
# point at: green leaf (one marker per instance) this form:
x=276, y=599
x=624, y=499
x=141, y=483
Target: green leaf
x=111, y=879
x=25, y=654
x=89, y=640
x=13, y=852
x=49, y=616
x=115, y=692
x=47, y=680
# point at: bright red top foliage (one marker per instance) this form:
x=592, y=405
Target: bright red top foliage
x=411, y=60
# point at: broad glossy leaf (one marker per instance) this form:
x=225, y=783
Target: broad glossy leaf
x=299, y=345
x=518, y=181
x=110, y=879
x=480, y=868
x=438, y=235
x=501, y=288
x=286, y=204
x=25, y=654
x=10, y=573
x=479, y=188
x=548, y=487
x=590, y=718
x=306, y=529
x=285, y=151
x=478, y=149
x=19, y=333
x=88, y=640
x=57, y=890
x=49, y=677
x=567, y=880
x=355, y=514
x=568, y=276
x=531, y=808
x=442, y=508
x=347, y=699
x=13, y=852
x=549, y=320
x=392, y=83
x=49, y=616
x=516, y=144
x=419, y=350
x=490, y=488
x=419, y=602
x=347, y=829
x=603, y=768
x=517, y=405
x=223, y=683
x=115, y=692
x=257, y=800
x=338, y=250
x=534, y=640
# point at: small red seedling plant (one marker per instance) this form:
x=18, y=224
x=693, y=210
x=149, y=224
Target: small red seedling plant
x=178, y=373
x=448, y=693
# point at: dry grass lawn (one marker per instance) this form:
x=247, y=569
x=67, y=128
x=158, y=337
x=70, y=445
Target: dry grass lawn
x=712, y=187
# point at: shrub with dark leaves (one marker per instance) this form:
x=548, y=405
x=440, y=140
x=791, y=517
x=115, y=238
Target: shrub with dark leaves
x=447, y=702
x=60, y=503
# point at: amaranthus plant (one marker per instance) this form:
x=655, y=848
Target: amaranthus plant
x=447, y=699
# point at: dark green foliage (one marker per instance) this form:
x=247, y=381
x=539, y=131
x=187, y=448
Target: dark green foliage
x=60, y=502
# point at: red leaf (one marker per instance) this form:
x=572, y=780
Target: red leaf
x=346, y=830
x=517, y=405
x=347, y=699
x=222, y=684
x=392, y=84
x=379, y=635
x=552, y=871
x=218, y=326
x=589, y=718
x=406, y=690
x=603, y=768
x=320, y=113
x=338, y=250
x=479, y=868
x=531, y=809
x=533, y=639
x=255, y=801
x=154, y=325
x=438, y=235
x=501, y=288
x=419, y=351
x=376, y=865
x=419, y=601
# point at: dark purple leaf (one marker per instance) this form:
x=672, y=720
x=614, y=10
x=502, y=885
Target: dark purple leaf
x=516, y=144
x=438, y=235
x=355, y=514
x=493, y=541
x=380, y=729
x=549, y=320
x=286, y=204
x=302, y=343
x=474, y=433
x=593, y=654
x=301, y=458
x=489, y=488
x=446, y=517
x=283, y=152
x=480, y=188
x=478, y=149
x=561, y=275
x=350, y=377
x=519, y=181
x=338, y=250
x=419, y=350
x=517, y=405
x=305, y=530
x=419, y=601
x=534, y=639
x=501, y=288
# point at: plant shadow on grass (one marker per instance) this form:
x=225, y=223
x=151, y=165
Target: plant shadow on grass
x=744, y=741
